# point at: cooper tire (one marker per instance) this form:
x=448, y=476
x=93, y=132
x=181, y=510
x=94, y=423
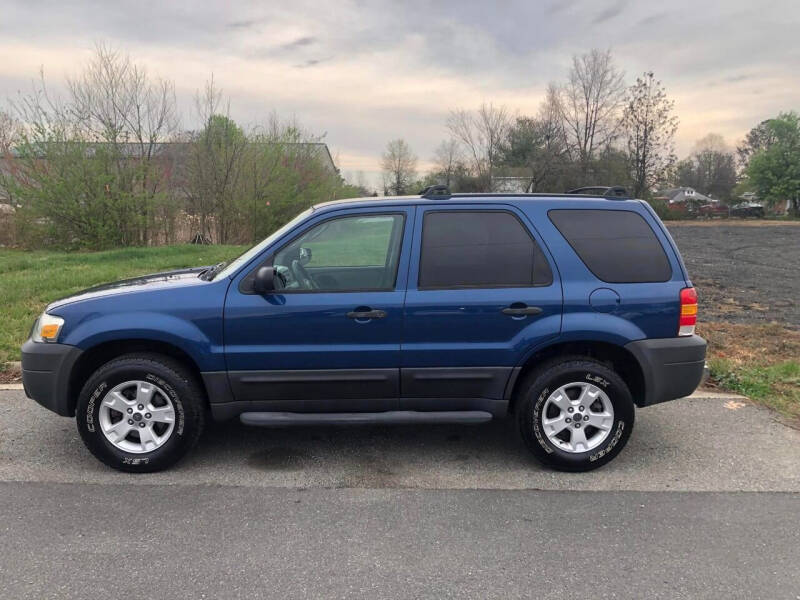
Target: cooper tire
x=536, y=394
x=176, y=388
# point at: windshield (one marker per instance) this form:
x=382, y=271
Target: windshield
x=243, y=259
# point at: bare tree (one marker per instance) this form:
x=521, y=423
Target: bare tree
x=116, y=101
x=10, y=131
x=761, y=137
x=447, y=160
x=590, y=103
x=649, y=127
x=712, y=142
x=99, y=141
x=399, y=165
x=215, y=165
x=482, y=134
x=539, y=145
x=711, y=168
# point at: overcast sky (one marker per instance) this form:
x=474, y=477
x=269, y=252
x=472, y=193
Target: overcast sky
x=365, y=72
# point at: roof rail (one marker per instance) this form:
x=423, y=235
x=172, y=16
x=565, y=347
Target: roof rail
x=614, y=192
x=530, y=195
x=435, y=191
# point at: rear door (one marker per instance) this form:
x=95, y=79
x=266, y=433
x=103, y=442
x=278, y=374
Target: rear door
x=481, y=292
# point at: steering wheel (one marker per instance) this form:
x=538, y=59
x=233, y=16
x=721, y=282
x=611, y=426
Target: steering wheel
x=301, y=275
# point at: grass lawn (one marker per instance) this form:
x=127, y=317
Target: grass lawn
x=757, y=361
x=29, y=280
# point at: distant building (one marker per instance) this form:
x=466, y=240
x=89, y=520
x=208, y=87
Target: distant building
x=681, y=195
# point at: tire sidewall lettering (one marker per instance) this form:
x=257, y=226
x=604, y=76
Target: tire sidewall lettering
x=607, y=446
x=597, y=380
x=90, y=407
x=610, y=445
x=93, y=409
x=177, y=386
x=537, y=420
x=176, y=402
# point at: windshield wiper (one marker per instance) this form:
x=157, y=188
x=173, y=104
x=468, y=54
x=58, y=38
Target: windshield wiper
x=211, y=272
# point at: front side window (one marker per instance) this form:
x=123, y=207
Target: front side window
x=358, y=252
x=479, y=249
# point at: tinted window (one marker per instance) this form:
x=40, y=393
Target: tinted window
x=469, y=249
x=618, y=246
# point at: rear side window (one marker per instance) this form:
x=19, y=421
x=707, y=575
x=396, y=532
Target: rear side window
x=618, y=246
x=478, y=249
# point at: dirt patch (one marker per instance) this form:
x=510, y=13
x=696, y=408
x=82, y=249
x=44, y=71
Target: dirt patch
x=734, y=223
x=10, y=373
x=743, y=274
x=757, y=361
x=751, y=344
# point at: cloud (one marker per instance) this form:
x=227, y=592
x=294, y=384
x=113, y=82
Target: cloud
x=311, y=62
x=366, y=72
x=610, y=12
x=245, y=24
x=559, y=6
x=738, y=78
x=652, y=19
x=300, y=42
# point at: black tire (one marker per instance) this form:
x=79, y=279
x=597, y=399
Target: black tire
x=184, y=391
x=533, y=395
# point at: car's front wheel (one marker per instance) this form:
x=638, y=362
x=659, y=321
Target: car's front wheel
x=575, y=414
x=140, y=412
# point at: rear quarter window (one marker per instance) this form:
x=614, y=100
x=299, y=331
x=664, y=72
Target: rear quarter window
x=617, y=246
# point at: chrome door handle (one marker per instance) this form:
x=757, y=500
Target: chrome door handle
x=521, y=311
x=366, y=314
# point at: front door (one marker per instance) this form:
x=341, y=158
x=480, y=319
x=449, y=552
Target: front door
x=328, y=338
x=481, y=293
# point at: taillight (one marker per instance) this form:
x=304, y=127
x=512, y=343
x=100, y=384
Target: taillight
x=688, y=317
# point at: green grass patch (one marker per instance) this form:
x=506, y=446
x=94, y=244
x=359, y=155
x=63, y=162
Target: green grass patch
x=30, y=280
x=774, y=385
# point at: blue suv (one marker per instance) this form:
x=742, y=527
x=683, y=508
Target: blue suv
x=563, y=311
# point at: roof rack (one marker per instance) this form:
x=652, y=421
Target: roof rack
x=527, y=195
x=442, y=191
x=435, y=191
x=614, y=192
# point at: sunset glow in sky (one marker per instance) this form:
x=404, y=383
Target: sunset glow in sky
x=366, y=72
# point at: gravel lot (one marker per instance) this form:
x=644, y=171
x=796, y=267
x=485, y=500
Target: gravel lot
x=745, y=272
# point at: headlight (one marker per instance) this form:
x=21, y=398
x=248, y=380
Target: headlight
x=47, y=328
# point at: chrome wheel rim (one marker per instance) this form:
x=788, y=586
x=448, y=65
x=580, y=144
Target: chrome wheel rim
x=137, y=417
x=577, y=417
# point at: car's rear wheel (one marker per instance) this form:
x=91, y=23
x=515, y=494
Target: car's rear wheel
x=575, y=414
x=140, y=413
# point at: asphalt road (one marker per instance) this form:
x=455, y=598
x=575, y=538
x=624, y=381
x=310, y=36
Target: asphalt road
x=703, y=503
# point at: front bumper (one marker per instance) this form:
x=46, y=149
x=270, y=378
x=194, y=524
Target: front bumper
x=672, y=367
x=46, y=370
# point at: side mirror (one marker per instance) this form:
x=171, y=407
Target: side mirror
x=264, y=280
